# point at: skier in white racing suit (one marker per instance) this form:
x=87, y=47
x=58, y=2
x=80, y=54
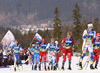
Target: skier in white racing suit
x=88, y=34
x=51, y=48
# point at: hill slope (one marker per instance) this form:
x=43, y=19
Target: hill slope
x=18, y=12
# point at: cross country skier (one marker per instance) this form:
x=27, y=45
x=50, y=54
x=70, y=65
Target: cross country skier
x=96, y=44
x=51, y=48
x=57, y=54
x=36, y=55
x=42, y=53
x=66, y=49
x=16, y=52
x=31, y=52
x=88, y=35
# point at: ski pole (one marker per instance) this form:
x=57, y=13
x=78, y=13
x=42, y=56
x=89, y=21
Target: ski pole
x=86, y=62
x=42, y=64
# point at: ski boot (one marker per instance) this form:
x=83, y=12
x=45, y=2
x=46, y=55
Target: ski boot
x=57, y=65
x=91, y=66
x=48, y=68
x=62, y=68
x=69, y=67
x=35, y=68
x=14, y=69
x=96, y=65
x=80, y=65
x=32, y=67
x=18, y=66
x=51, y=67
x=39, y=68
x=45, y=68
x=54, y=68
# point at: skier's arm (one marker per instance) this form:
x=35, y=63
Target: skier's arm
x=63, y=41
x=63, y=44
x=85, y=34
x=47, y=48
x=60, y=47
x=41, y=48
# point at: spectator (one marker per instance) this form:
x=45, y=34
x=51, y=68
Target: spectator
x=1, y=57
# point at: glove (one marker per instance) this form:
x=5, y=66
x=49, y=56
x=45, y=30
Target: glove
x=89, y=32
x=35, y=50
x=94, y=45
x=47, y=49
x=85, y=35
x=55, y=51
x=41, y=48
x=64, y=47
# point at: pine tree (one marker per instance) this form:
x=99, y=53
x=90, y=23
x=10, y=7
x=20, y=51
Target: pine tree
x=77, y=26
x=96, y=24
x=30, y=36
x=57, y=31
x=85, y=22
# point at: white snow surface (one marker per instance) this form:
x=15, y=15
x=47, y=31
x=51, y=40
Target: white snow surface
x=75, y=68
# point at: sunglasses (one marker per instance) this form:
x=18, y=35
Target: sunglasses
x=69, y=36
x=90, y=27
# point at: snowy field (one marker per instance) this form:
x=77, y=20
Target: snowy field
x=75, y=68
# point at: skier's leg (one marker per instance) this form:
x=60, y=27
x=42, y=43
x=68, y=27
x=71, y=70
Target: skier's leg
x=40, y=57
x=18, y=61
x=35, y=61
x=64, y=59
x=57, y=58
x=56, y=55
x=94, y=55
x=15, y=60
x=90, y=49
x=94, y=58
x=69, y=58
x=49, y=60
x=54, y=61
x=91, y=55
x=97, y=58
x=32, y=58
x=84, y=47
x=44, y=57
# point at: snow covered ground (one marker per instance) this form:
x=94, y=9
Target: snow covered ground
x=75, y=68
